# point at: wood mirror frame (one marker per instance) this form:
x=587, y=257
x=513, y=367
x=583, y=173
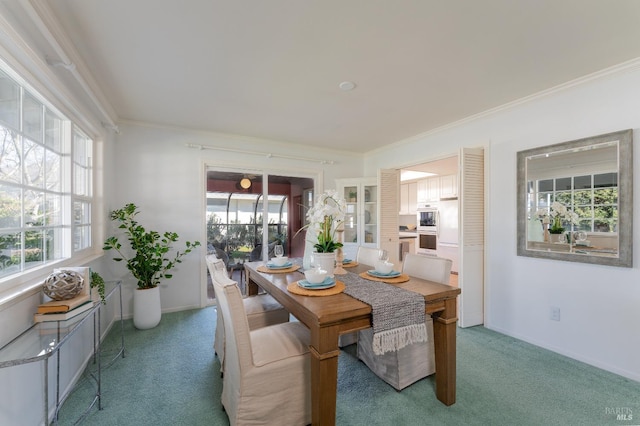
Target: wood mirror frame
x=568, y=252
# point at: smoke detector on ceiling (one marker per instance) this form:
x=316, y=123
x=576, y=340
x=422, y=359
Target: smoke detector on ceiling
x=347, y=85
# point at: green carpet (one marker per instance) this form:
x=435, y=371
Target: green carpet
x=170, y=376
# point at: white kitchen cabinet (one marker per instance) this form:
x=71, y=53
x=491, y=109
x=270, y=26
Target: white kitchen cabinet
x=412, y=245
x=433, y=189
x=404, y=198
x=413, y=197
x=449, y=186
x=422, y=191
x=408, y=198
x=428, y=190
x=361, y=219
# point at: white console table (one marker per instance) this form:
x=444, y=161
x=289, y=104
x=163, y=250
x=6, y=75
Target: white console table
x=46, y=339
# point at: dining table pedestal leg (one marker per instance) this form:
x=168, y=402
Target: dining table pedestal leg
x=324, y=376
x=252, y=287
x=444, y=333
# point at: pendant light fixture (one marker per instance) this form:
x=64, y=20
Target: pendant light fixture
x=245, y=183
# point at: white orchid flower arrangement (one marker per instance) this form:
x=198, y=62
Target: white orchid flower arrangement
x=558, y=215
x=325, y=217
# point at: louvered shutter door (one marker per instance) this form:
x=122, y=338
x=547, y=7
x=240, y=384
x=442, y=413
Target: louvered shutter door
x=471, y=271
x=389, y=206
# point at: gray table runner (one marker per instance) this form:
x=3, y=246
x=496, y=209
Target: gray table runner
x=398, y=315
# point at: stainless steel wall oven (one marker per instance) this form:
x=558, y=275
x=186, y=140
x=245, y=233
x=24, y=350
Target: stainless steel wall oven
x=427, y=243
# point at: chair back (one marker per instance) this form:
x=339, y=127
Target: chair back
x=238, y=357
x=222, y=255
x=215, y=264
x=256, y=253
x=428, y=268
x=367, y=255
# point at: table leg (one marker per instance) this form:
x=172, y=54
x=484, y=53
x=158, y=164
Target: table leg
x=324, y=376
x=252, y=287
x=444, y=331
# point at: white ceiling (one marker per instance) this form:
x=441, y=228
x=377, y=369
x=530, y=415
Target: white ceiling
x=271, y=69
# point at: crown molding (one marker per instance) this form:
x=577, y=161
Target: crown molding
x=70, y=59
x=624, y=67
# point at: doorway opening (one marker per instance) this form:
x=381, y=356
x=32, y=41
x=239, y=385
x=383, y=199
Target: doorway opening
x=248, y=214
x=431, y=188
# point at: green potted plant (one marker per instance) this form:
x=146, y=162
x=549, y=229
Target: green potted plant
x=98, y=282
x=149, y=263
x=353, y=196
x=556, y=226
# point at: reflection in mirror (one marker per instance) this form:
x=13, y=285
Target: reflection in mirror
x=575, y=200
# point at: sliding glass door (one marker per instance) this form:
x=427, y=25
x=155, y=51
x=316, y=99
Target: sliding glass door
x=249, y=213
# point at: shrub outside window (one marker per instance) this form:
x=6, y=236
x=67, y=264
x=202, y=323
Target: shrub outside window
x=593, y=197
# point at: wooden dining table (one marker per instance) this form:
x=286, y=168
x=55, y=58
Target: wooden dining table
x=328, y=317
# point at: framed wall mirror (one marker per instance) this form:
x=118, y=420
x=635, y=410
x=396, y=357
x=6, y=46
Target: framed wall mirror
x=575, y=200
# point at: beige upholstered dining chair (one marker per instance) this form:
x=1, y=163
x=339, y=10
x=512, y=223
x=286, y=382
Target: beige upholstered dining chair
x=261, y=310
x=428, y=268
x=367, y=255
x=414, y=362
x=267, y=377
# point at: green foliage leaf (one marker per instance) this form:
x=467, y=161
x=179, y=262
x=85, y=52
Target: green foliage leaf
x=149, y=263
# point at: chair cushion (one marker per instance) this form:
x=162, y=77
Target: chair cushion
x=264, y=310
x=278, y=342
x=259, y=304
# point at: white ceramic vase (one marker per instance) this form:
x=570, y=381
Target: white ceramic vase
x=326, y=261
x=146, y=308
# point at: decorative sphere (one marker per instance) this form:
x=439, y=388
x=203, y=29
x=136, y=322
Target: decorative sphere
x=63, y=285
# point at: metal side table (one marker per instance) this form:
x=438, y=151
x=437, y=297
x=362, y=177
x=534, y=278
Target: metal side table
x=45, y=340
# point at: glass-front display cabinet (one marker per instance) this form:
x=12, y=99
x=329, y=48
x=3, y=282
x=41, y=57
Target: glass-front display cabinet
x=361, y=219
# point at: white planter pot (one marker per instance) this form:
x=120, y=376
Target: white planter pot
x=326, y=261
x=146, y=308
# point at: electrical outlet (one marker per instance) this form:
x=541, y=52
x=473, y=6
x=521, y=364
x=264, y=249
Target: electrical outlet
x=555, y=313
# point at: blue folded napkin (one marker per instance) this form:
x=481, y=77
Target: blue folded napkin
x=272, y=265
x=306, y=284
x=380, y=274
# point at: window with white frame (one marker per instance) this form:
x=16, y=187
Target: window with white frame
x=594, y=198
x=45, y=182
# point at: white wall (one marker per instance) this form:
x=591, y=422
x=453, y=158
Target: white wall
x=156, y=171
x=599, y=304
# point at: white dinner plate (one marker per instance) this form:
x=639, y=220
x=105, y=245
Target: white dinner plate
x=327, y=283
x=376, y=274
x=285, y=266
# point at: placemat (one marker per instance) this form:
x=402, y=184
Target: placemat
x=266, y=269
x=296, y=289
x=350, y=264
x=395, y=280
